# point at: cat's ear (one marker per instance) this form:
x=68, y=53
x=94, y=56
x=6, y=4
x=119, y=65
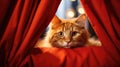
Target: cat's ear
x=55, y=22
x=81, y=20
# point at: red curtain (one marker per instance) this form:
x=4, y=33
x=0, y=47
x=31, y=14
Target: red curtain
x=23, y=21
x=21, y=24
x=105, y=18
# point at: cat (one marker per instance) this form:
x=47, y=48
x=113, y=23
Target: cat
x=68, y=33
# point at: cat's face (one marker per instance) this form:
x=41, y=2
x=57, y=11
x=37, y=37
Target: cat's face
x=68, y=33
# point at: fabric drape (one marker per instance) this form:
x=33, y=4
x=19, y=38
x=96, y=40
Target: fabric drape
x=21, y=24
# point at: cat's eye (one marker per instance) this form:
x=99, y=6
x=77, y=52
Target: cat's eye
x=74, y=33
x=60, y=33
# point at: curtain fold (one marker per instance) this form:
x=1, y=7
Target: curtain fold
x=21, y=24
x=105, y=18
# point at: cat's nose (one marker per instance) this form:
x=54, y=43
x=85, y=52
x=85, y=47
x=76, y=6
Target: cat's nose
x=68, y=40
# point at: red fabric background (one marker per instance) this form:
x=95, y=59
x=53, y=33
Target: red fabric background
x=22, y=22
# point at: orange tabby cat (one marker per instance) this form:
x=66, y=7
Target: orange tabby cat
x=67, y=33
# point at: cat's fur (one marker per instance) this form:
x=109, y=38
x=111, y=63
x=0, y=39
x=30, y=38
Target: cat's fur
x=67, y=33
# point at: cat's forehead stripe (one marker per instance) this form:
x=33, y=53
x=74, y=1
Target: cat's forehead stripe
x=69, y=20
x=67, y=26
